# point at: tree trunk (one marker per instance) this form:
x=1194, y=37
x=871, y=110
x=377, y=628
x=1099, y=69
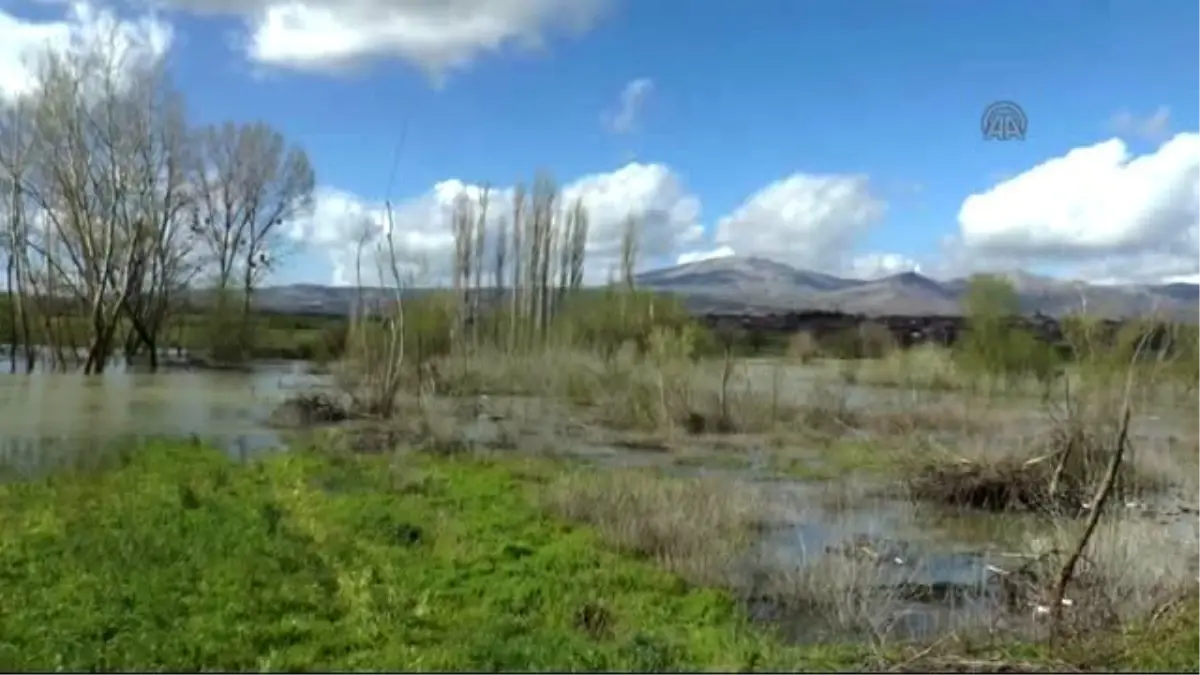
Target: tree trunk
x=147, y=336
x=132, y=343
x=12, y=313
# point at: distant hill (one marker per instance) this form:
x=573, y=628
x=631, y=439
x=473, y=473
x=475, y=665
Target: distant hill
x=757, y=285
x=760, y=283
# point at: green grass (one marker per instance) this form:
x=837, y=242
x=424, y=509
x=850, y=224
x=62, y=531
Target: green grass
x=1168, y=644
x=1171, y=644
x=839, y=458
x=275, y=336
x=180, y=560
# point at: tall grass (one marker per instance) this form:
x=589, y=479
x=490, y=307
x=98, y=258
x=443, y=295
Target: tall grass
x=627, y=360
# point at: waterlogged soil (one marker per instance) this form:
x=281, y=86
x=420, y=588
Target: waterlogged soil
x=938, y=568
x=923, y=579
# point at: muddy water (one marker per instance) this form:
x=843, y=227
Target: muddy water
x=46, y=416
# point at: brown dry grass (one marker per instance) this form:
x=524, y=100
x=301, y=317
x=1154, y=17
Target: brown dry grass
x=703, y=530
x=1131, y=568
x=681, y=397
x=1013, y=472
x=803, y=347
x=694, y=527
x=948, y=450
x=837, y=596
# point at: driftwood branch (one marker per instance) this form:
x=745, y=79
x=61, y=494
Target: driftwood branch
x=1102, y=495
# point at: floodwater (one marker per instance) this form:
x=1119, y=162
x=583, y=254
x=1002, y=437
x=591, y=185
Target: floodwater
x=48, y=415
x=918, y=579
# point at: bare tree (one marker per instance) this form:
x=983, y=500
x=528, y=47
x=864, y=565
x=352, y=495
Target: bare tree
x=630, y=240
x=578, y=244
x=33, y=282
x=95, y=169
x=550, y=262
x=164, y=262
x=539, y=251
x=499, y=259
x=249, y=183
x=14, y=156
x=566, y=220
x=541, y=238
x=519, y=276
x=477, y=263
x=572, y=249
x=462, y=223
x=376, y=333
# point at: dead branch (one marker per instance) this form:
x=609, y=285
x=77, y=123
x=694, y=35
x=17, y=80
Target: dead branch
x=1102, y=496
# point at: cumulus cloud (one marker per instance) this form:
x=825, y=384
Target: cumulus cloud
x=806, y=220
x=437, y=36
x=22, y=41
x=700, y=256
x=1155, y=126
x=633, y=98
x=668, y=217
x=1148, y=268
x=1096, y=208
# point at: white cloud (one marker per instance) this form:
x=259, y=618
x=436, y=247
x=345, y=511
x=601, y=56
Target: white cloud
x=668, y=215
x=1146, y=268
x=1100, y=209
x=809, y=221
x=436, y=35
x=1155, y=126
x=700, y=256
x=629, y=106
x=136, y=41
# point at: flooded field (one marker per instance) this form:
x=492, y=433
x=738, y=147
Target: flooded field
x=47, y=416
x=820, y=468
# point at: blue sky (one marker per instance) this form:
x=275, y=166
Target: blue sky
x=875, y=105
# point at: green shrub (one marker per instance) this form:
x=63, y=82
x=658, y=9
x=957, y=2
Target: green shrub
x=993, y=344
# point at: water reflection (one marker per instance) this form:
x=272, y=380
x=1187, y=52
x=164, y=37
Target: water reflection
x=48, y=415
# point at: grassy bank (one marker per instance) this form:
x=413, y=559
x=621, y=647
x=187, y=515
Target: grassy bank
x=178, y=559
x=182, y=561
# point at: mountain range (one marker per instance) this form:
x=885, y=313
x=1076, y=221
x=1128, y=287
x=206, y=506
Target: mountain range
x=753, y=285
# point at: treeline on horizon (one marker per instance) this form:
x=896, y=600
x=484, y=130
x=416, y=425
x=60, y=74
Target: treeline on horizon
x=818, y=334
